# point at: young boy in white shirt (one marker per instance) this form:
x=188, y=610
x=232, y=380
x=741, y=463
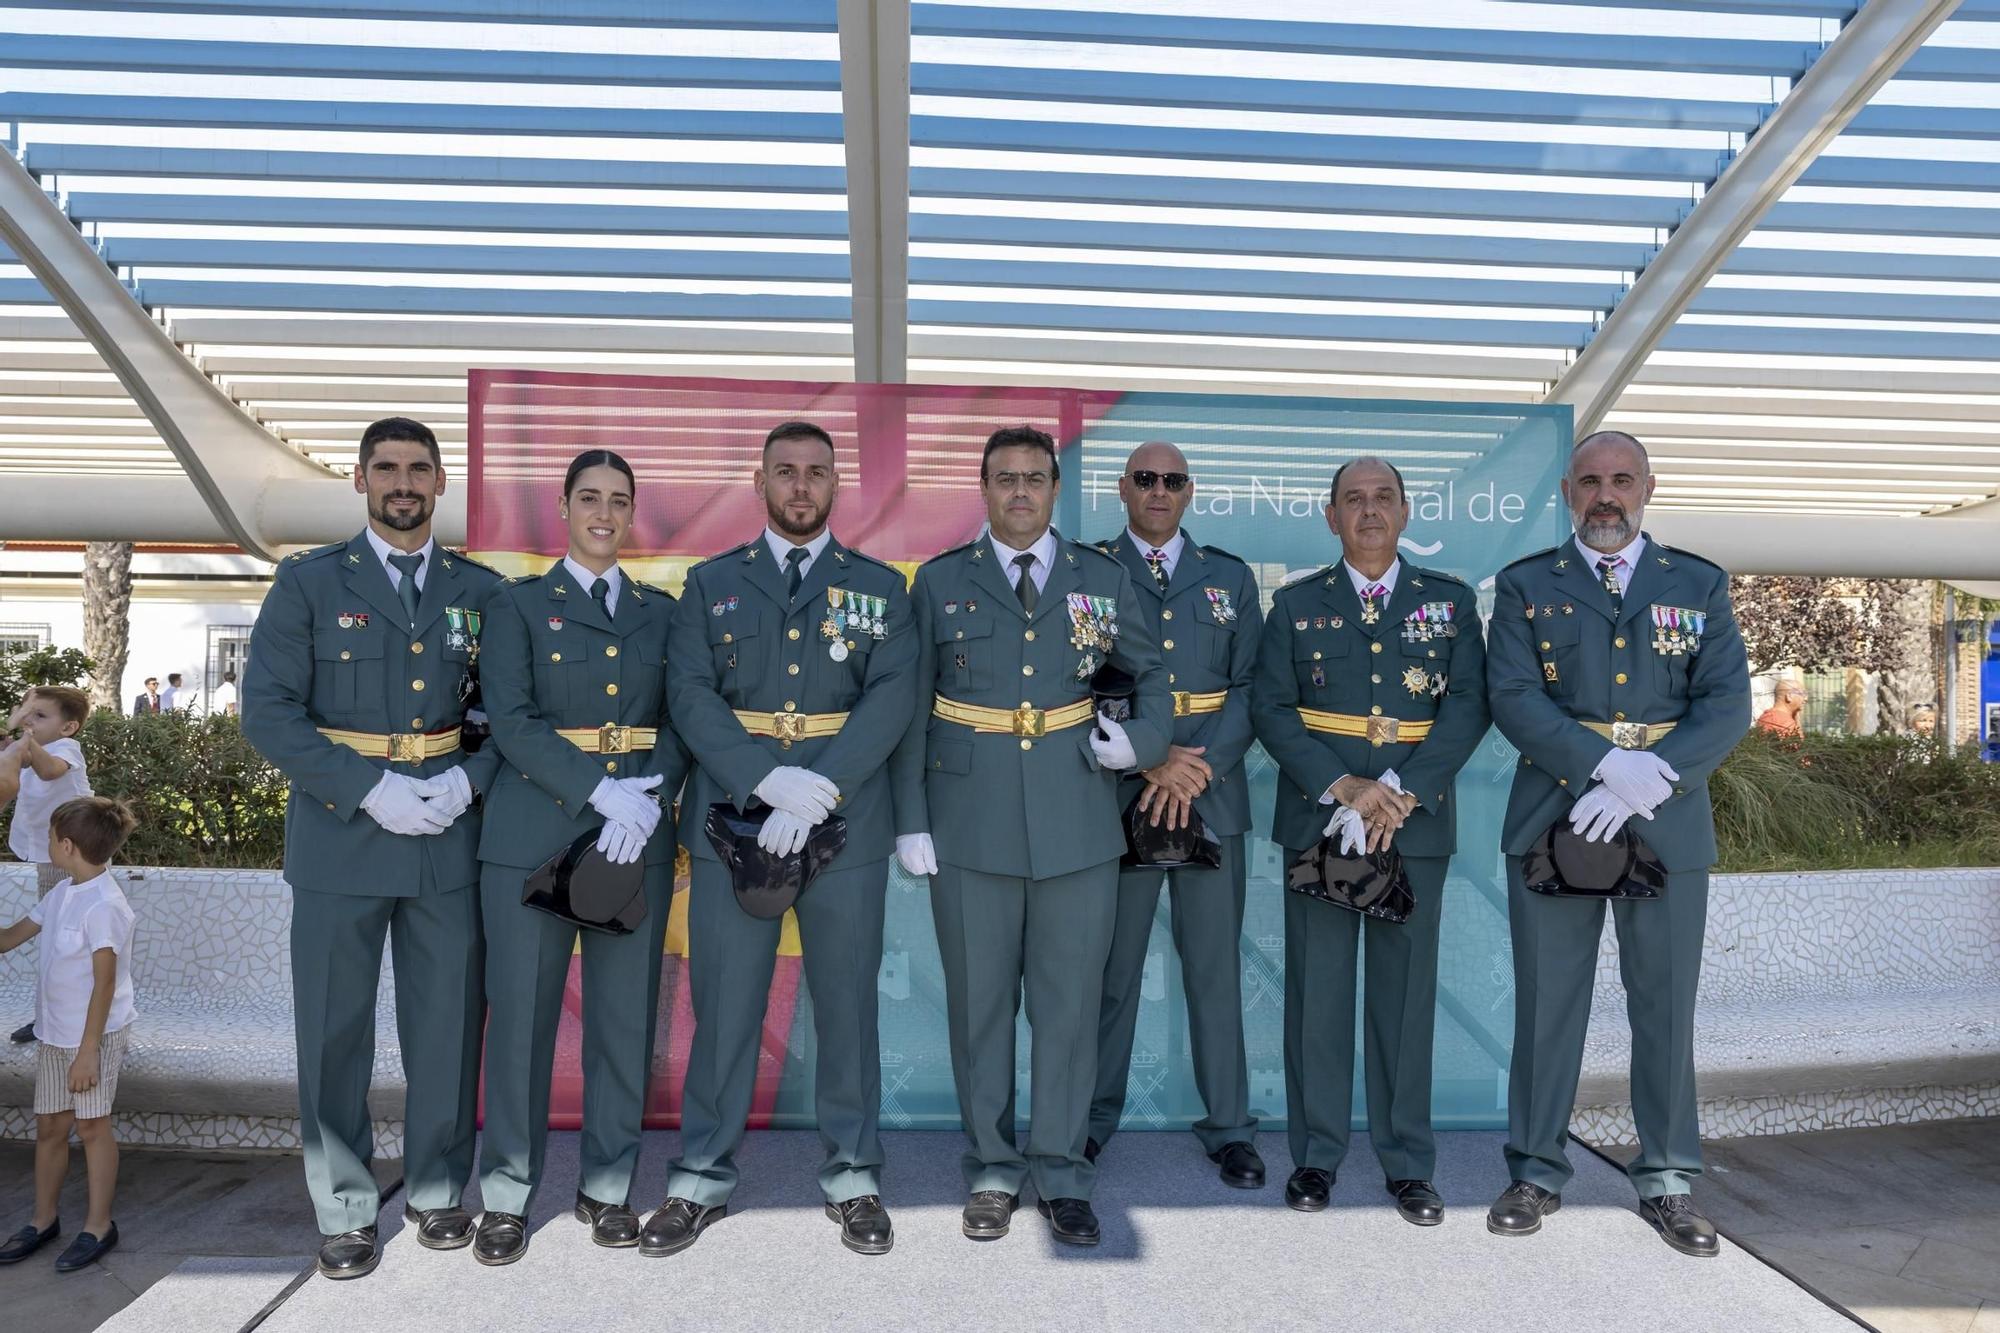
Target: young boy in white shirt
x=44, y=765
x=83, y=1012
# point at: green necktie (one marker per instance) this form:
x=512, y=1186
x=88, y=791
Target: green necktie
x=406, y=587
x=601, y=590
x=1024, y=587
x=795, y=563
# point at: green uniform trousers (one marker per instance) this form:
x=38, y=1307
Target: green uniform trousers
x=527, y=967
x=336, y=969
x=1001, y=935
x=1207, y=921
x=1399, y=1018
x=731, y=955
x=1555, y=960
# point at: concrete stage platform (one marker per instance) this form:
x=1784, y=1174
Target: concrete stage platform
x=1180, y=1250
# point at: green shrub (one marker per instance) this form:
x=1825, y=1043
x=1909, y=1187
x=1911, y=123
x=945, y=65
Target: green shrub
x=202, y=795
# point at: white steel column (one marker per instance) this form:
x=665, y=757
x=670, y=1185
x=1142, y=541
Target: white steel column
x=875, y=116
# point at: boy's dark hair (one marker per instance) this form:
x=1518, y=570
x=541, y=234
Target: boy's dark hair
x=174, y=678
x=229, y=677
x=71, y=702
x=97, y=825
x=398, y=428
x=797, y=430
x=1021, y=437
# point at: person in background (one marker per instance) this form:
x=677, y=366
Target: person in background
x=83, y=1010
x=40, y=770
x=171, y=696
x=223, y=701
x=1782, y=717
x=150, y=701
x=1923, y=721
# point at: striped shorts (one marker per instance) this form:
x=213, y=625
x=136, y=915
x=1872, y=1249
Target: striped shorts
x=52, y=1093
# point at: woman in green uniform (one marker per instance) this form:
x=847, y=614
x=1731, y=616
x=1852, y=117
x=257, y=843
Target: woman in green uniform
x=572, y=668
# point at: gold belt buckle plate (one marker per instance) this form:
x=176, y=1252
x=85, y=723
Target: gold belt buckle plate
x=406, y=747
x=1029, y=721
x=614, y=739
x=1183, y=703
x=1630, y=735
x=788, y=727
x=1383, y=730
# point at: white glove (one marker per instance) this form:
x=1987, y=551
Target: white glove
x=448, y=794
x=397, y=804
x=798, y=791
x=917, y=854
x=1115, y=752
x=1600, y=813
x=783, y=833
x=629, y=801
x=620, y=842
x=1354, y=833
x=1637, y=777
x=1392, y=782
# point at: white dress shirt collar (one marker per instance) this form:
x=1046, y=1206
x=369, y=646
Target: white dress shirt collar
x=1629, y=556
x=782, y=546
x=383, y=551
x=1175, y=545
x=585, y=578
x=1362, y=582
x=1044, y=551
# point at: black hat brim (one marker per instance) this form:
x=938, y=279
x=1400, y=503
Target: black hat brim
x=767, y=885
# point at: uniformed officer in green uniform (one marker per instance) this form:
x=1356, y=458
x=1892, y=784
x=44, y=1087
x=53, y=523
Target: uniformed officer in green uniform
x=1201, y=603
x=1371, y=696
x=574, y=681
x=791, y=670
x=1007, y=796
x=359, y=667
x=1616, y=662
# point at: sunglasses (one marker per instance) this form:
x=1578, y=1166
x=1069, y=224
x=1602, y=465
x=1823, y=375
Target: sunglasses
x=1145, y=479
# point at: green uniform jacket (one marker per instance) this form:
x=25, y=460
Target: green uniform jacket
x=1207, y=623
x=550, y=660
x=993, y=802
x=1423, y=660
x=330, y=649
x=1559, y=656
x=738, y=642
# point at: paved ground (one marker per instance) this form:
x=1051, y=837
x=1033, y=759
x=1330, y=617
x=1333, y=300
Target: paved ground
x=1900, y=1225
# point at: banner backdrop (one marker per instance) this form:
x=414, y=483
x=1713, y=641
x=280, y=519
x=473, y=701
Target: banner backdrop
x=1482, y=480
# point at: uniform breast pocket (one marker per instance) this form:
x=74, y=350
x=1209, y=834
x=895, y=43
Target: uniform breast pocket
x=1215, y=642
x=733, y=641
x=1671, y=673
x=965, y=653
x=1559, y=654
x=347, y=670
x=1318, y=657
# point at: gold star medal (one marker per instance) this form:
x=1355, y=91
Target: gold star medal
x=1417, y=681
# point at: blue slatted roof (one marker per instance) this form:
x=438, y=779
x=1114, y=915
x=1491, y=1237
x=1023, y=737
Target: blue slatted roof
x=337, y=207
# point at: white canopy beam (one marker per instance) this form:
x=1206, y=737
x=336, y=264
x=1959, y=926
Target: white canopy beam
x=1867, y=53
x=875, y=116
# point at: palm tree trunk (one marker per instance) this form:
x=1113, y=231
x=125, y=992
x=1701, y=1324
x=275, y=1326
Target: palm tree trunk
x=107, y=618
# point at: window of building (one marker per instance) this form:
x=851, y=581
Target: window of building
x=23, y=638
x=228, y=650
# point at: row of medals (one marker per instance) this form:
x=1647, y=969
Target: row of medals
x=847, y=610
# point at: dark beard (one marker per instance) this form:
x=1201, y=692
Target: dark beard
x=781, y=523
x=401, y=522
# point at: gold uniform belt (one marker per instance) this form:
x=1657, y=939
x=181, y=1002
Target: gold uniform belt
x=1631, y=735
x=1377, y=729
x=1025, y=721
x=1188, y=705
x=789, y=727
x=610, y=738
x=401, y=747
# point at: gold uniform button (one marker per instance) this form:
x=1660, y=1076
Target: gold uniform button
x=792, y=670
x=344, y=654
x=1562, y=782
x=959, y=635
x=611, y=651
x=1027, y=744
x=1545, y=645
x=1617, y=717
x=1432, y=653
x=416, y=722
x=1168, y=644
x=1376, y=710
x=729, y=638
x=1029, y=635
x=611, y=766
x=1166, y=615
x=416, y=647
x=1315, y=657
x=1374, y=647
x=791, y=705
x=555, y=657
x=1618, y=642
x=1374, y=680
x=792, y=633
x=329, y=805
x=611, y=689
x=1027, y=671
x=1620, y=678
x=417, y=685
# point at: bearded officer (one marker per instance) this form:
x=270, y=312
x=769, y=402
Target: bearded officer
x=1619, y=674
x=1371, y=696
x=359, y=665
x=1007, y=796
x=789, y=672
x=1201, y=603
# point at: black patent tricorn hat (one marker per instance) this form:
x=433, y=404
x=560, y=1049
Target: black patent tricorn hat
x=767, y=884
x=584, y=887
x=1562, y=863
x=1371, y=883
x=1156, y=845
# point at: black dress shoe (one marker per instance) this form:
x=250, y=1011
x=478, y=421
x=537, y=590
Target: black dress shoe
x=988, y=1214
x=86, y=1249
x=440, y=1228
x=1242, y=1168
x=27, y=1240
x=1070, y=1220
x=675, y=1225
x=1681, y=1225
x=1418, y=1201
x=1091, y=1147
x=501, y=1239
x=23, y=1034
x=1520, y=1209
x=612, y=1225
x=350, y=1254
x=864, y=1224
x=1309, y=1190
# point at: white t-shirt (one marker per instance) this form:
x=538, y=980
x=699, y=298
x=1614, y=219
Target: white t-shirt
x=77, y=920
x=222, y=699
x=28, y=837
